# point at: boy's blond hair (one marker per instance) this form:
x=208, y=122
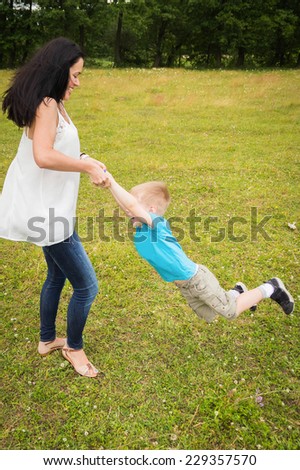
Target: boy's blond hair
x=153, y=193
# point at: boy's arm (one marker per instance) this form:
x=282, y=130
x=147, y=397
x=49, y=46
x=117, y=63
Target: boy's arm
x=128, y=203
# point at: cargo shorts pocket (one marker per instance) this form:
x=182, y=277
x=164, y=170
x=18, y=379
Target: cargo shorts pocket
x=207, y=288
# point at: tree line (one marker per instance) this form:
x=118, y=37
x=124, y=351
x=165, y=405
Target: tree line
x=157, y=33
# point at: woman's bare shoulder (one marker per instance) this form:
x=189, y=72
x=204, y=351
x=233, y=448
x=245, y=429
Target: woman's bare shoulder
x=49, y=103
x=47, y=107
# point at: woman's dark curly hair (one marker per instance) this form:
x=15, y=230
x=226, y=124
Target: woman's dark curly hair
x=45, y=75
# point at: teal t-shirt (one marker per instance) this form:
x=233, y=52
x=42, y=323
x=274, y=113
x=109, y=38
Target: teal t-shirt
x=160, y=248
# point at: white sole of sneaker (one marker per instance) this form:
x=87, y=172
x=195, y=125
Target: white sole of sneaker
x=282, y=286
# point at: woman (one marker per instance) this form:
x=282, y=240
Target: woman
x=38, y=202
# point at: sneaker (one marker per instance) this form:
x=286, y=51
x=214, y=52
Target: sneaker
x=240, y=288
x=281, y=295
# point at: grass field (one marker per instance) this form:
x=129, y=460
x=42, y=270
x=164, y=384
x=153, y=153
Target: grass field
x=228, y=146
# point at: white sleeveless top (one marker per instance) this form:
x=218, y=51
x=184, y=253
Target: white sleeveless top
x=39, y=205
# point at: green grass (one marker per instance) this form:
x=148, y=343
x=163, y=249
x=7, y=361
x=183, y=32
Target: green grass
x=224, y=142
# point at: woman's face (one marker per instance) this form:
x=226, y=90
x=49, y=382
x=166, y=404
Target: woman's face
x=74, y=73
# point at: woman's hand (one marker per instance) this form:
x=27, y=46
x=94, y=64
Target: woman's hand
x=85, y=156
x=102, y=165
x=97, y=172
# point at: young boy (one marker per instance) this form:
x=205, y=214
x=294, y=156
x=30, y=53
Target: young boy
x=153, y=239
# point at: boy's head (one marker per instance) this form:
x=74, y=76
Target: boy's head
x=154, y=196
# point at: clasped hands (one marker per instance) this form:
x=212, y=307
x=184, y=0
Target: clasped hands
x=98, y=175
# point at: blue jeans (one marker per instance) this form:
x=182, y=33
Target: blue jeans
x=67, y=260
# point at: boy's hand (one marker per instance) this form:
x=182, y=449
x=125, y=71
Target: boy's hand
x=110, y=177
x=106, y=183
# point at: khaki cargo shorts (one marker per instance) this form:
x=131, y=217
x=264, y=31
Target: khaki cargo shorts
x=206, y=297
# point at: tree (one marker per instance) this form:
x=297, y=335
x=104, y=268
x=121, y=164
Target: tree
x=127, y=36
x=285, y=28
x=167, y=29
x=277, y=32
x=17, y=31
x=159, y=33
x=207, y=39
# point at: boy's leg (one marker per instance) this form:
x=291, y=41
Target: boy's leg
x=204, y=290
x=280, y=294
x=247, y=299
x=273, y=289
x=202, y=310
x=207, y=298
x=239, y=289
